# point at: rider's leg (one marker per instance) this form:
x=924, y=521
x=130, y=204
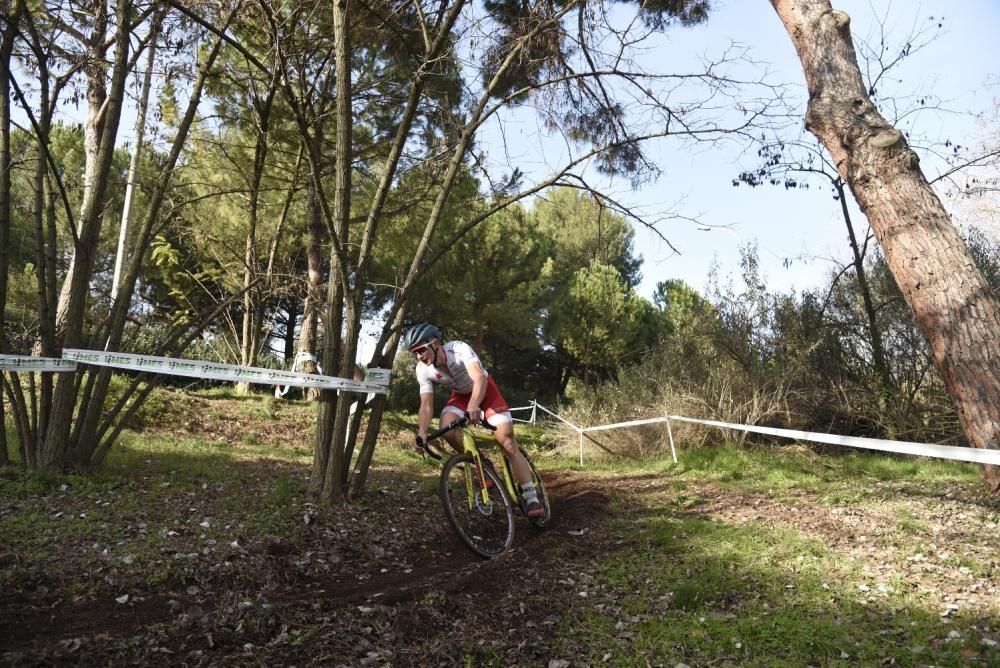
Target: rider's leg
x=505, y=436
x=529, y=494
x=454, y=437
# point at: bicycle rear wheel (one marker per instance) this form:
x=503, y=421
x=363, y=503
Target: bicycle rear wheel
x=486, y=526
x=543, y=497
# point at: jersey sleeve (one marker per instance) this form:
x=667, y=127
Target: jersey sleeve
x=424, y=380
x=466, y=355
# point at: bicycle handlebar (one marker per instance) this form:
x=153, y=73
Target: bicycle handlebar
x=457, y=424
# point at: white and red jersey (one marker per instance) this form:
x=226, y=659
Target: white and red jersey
x=458, y=355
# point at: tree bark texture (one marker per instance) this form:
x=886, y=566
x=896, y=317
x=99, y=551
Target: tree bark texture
x=11, y=18
x=254, y=298
x=133, y=165
x=6, y=51
x=94, y=175
x=333, y=409
x=314, y=276
x=57, y=447
x=950, y=300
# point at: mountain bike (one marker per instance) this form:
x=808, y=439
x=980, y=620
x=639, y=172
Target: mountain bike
x=479, y=503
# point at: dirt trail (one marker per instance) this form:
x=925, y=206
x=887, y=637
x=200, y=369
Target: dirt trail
x=42, y=624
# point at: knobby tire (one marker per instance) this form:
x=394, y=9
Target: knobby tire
x=487, y=529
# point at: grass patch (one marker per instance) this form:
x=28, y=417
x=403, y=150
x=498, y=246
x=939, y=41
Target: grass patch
x=695, y=592
x=906, y=522
x=763, y=468
x=689, y=587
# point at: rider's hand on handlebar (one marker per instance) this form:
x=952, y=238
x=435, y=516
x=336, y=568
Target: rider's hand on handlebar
x=475, y=415
x=421, y=444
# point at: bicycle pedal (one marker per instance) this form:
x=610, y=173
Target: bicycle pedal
x=532, y=509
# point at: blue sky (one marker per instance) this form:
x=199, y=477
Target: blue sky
x=800, y=234
x=806, y=227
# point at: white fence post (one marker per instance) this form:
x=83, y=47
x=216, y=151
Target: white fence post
x=581, y=446
x=670, y=435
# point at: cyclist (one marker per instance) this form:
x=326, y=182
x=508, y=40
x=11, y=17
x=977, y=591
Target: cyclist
x=455, y=365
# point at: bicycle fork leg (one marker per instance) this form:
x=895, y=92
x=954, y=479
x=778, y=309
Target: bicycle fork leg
x=470, y=489
x=471, y=475
x=481, y=472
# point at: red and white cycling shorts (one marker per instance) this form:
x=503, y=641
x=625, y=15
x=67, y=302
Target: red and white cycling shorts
x=494, y=406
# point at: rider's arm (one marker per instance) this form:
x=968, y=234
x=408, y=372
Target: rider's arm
x=425, y=414
x=478, y=377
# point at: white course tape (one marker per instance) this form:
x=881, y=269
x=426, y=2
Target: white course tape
x=954, y=452
x=378, y=376
x=959, y=453
x=27, y=363
x=224, y=372
x=633, y=423
x=531, y=418
x=564, y=421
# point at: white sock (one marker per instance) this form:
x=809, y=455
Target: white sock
x=528, y=492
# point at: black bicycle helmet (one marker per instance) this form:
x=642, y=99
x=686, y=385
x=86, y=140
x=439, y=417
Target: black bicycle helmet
x=420, y=334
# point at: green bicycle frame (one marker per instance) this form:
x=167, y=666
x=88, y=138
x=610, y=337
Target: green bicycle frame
x=472, y=448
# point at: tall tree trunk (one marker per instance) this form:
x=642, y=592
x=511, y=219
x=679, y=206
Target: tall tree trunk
x=43, y=217
x=354, y=294
x=103, y=124
x=311, y=121
x=94, y=176
x=133, y=165
x=951, y=302
x=30, y=410
x=333, y=410
x=97, y=430
x=314, y=284
x=11, y=15
x=461, y=144
x=253, y=298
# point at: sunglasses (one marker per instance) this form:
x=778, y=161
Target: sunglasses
x=421, y=349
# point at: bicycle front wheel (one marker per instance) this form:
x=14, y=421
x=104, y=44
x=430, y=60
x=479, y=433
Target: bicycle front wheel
x=484, y=521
